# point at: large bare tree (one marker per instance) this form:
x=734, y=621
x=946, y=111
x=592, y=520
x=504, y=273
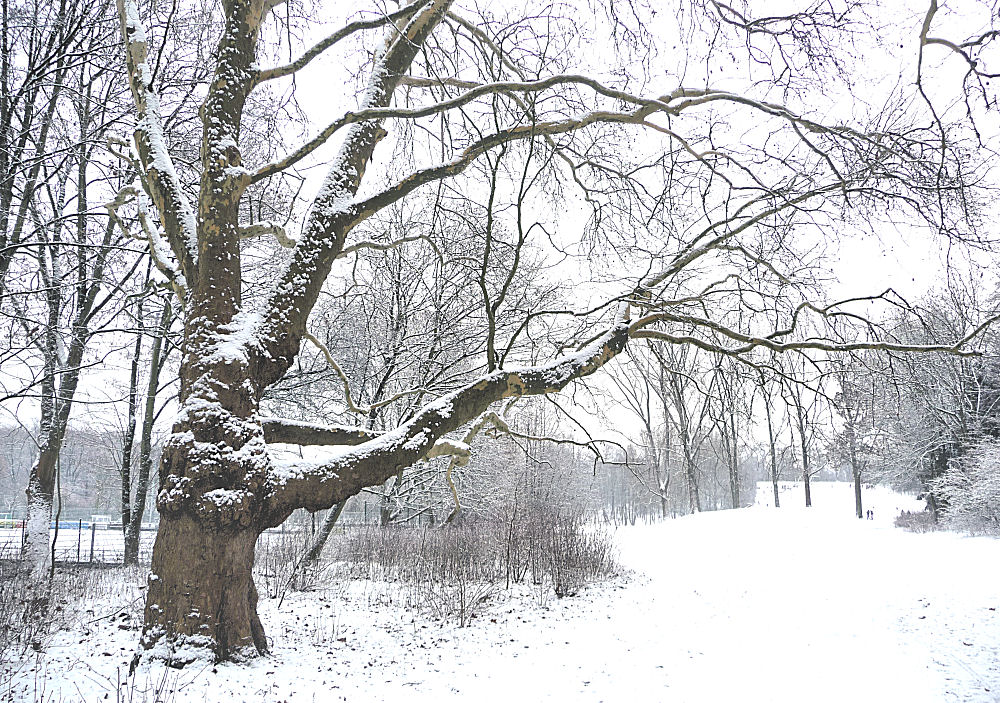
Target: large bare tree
x=685, y=217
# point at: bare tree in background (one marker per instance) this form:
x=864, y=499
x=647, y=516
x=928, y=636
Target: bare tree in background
x=728, y=410
x=765, y=386
x=159, y=351
x=643, y=385
x=66, y=272
x=804, y=398
x=936, y=408
x=856, y=403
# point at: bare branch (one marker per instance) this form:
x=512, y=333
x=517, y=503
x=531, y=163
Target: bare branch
x=642, y=329
x=348, y=398
x=282, y=431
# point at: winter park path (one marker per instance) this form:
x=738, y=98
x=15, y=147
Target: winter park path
x=749, y=605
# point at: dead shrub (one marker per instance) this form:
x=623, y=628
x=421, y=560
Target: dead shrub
x=455, y=569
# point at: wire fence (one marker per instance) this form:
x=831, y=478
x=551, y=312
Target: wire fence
x=80, y=543
x=83, y=542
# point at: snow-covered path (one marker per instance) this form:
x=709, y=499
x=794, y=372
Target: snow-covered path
x=749, y=605
x=793, y=606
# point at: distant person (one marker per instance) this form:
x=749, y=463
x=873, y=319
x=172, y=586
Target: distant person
x=871, y=514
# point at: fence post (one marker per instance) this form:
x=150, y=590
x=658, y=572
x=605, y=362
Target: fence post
x=93, y=531
x=79, y=531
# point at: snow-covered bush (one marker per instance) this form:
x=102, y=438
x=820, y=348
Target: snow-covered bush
x=919, y=521
x=970, y=489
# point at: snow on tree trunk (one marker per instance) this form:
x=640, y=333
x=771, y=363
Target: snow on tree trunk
x=37, y=552
x=201, y=602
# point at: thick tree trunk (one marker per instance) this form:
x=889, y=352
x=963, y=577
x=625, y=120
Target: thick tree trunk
x=37, y=552
x=202, y=600
x=202, y=594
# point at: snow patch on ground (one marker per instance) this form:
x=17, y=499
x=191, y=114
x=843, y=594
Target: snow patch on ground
x=747, y=605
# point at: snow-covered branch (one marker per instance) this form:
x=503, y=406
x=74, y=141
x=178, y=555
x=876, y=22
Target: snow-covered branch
x=372, y=462
x=262, y=229
x=643, y=329
x=176, y=212
x=283, y=431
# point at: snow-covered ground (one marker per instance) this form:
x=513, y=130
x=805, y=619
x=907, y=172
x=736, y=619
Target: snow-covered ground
x=749, y=605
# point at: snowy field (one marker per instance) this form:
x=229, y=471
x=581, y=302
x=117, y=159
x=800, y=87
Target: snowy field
x=750, y=605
